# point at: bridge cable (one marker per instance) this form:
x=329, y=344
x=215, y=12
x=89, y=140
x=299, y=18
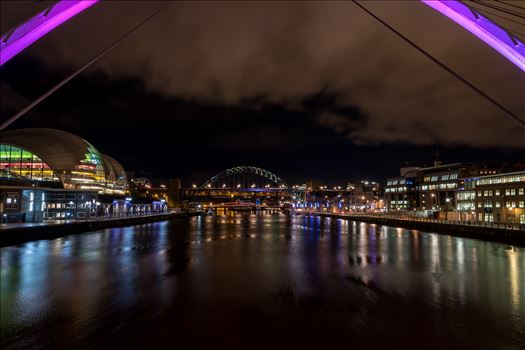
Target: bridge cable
x=445, y=67
x=511, y=4
x=80, y=70
x=489, y=13
x=499, y=8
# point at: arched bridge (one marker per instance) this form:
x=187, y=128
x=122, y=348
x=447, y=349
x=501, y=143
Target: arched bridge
x=245, y=177
x=241, y=184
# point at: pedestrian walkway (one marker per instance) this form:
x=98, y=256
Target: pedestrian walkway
x=15, y=225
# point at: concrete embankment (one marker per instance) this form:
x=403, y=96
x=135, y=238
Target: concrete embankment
x=495, y=234
x=17, y=235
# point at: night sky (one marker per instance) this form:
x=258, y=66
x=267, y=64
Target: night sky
x=306, y=90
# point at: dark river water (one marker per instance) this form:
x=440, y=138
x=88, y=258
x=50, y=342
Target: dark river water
x=267, y=281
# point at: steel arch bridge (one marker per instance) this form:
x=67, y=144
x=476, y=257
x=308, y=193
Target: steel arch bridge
x=245, y=177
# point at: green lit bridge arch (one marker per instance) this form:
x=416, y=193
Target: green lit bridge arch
x=245, y=177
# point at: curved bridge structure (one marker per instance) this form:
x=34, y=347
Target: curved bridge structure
x=245, y=177
x=240, y=186
x=25, y=34
x=486, y=30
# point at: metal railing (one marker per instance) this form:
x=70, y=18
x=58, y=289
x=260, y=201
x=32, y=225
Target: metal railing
x=499, y=225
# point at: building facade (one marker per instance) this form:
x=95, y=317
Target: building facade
x=401, y=193
x=438, y=186
x=444, y=191
x=36, y=204
x=499, y=198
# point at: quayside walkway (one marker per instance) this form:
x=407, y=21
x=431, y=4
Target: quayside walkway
x=506, y=233
x=16, y=233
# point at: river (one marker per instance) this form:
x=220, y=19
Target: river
x=262, y=281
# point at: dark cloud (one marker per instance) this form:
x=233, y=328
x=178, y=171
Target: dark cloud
x=227, y=52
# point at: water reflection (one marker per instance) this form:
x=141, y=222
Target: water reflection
x=305, y=279
x=515, y=279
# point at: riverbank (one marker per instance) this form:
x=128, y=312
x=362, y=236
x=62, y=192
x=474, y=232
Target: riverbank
x=487, y=233
x=20, y=234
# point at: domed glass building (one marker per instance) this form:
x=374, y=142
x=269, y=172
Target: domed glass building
x=60, y=159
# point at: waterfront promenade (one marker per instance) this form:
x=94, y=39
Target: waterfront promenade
x=498, y=232
x=17, y=233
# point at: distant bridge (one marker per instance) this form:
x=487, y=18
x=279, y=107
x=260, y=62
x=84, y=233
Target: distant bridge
x=245, y=177
x=247, y=183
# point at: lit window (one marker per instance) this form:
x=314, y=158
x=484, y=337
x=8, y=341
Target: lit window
x=31, y=200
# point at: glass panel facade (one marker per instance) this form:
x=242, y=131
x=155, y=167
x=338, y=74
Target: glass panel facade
x=17, y=163
x=89, y=174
